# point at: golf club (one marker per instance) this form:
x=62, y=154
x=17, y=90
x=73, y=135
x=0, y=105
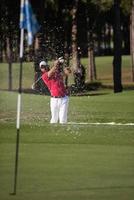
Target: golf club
x=33, y=85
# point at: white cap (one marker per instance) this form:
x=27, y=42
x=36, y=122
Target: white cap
x=43, y=63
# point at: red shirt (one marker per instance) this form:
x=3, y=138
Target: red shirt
x=55, y=84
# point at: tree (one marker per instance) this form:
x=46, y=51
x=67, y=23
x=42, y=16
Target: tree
x=117, y=48
x=58, y=32
x=128, y=9
x=105, y=5
x=91, y=20
x=74, y=35
x=132, y=38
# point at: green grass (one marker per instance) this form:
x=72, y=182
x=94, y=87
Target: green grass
x=73, y=161
x=103, y=65
x=28, y=75
x=70, y=162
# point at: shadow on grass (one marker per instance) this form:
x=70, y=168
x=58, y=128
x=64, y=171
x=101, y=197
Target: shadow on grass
x=74, y=94
x=105, y=188
x=89, y=89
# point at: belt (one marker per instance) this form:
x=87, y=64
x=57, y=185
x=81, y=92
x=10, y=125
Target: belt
x=57, y=96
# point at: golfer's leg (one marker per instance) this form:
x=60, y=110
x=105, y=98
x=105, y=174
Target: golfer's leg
x=63, y=110
x=54, y=110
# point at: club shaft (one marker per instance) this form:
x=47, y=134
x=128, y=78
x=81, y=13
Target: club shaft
x=36, y=81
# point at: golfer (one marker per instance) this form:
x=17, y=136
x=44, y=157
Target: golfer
x=54, y=79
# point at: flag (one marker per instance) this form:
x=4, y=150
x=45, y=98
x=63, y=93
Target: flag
x=28, y=20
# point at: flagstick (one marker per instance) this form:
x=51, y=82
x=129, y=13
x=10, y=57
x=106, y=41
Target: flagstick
x=18, y=113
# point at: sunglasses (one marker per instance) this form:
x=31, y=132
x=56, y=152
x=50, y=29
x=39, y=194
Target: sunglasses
x=44, y=67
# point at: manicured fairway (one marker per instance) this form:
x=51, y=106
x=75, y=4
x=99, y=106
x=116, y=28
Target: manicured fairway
x=73, y=161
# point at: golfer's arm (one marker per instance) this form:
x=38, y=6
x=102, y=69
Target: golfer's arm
x=52, y=70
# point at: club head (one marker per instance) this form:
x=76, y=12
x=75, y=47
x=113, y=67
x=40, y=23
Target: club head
x=13, y=193
x=32, y=87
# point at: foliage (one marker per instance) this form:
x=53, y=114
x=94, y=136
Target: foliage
x=126, y=6
x=55, y=19
x=104, y=5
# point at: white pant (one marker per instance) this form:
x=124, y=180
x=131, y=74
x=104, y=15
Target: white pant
x=59, y=109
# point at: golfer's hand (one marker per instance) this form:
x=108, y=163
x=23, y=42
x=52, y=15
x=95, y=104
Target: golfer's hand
x=56, y=63
x=67, y=70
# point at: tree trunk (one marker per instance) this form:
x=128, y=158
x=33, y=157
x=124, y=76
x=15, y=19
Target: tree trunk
x=74, y=36
x=1, y=47
x=109, y=40
x=90, y=64
x=9, y=59
x=132, y=38
x=91, y=59
x=94, y=67
x=117, y=48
